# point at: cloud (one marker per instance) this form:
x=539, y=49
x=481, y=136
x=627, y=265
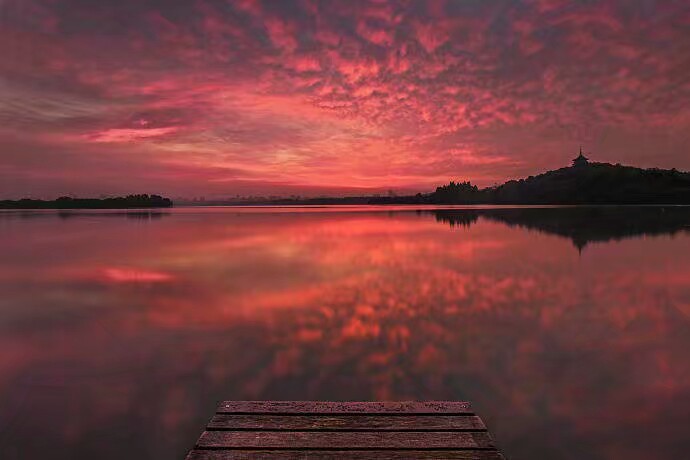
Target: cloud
x=300, y=90
x=129, y=135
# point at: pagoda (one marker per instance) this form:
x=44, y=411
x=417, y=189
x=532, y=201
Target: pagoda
x=581, y=160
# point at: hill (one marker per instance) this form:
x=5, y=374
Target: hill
x=582, y=183
x=597, y=183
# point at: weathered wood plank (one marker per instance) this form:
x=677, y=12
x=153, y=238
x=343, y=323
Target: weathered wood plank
x=345, y=440
x=342, y=454
x=346, y=422
x=332, y=407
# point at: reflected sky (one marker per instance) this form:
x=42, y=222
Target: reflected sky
x=119, y=332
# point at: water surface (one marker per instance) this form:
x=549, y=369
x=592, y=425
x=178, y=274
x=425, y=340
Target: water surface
x=567, y=328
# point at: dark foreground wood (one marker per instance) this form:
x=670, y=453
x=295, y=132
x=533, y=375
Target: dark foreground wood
x=330, y=430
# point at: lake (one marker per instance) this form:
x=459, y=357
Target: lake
x=567, y=328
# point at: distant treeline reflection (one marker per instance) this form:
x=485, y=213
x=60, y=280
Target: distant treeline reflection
x=582, y=225
x=142, y=215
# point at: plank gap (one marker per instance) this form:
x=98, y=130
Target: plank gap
x=340, y=454
x=355, y=430
x=345, y=449
x=350, y=414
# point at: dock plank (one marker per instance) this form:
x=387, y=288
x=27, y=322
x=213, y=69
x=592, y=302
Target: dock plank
x=344, y=440
x=335, y=454
x=336, y=407
x=284, y=430
x=347, y=422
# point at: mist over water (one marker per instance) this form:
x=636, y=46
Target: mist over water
x=567, y=328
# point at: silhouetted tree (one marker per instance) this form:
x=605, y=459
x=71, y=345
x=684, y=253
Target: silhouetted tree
x=66, y=202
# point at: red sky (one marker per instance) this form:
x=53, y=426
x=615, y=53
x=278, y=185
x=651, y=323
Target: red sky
x=217, y=98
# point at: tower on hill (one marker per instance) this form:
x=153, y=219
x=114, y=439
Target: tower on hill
x=581, y=160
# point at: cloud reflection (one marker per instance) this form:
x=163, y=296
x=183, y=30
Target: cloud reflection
x=565, y=355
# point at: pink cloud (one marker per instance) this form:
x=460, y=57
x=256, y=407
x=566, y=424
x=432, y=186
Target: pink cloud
x=304, y=64
x=430, y=35
x=298, y=93
x=376, y=35
x=129, y=135
x=281, y=33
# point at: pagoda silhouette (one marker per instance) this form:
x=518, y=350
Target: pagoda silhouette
x=581, y=160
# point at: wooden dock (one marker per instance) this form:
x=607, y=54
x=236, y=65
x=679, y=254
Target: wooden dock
x=328, y=430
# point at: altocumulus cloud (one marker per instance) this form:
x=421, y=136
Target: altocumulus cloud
x=225, y=97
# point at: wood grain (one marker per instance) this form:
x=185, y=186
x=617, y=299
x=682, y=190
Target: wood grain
x=332, y=407
x=344, y=440
x=345, y=454
x=284, y=430
x=347, y=422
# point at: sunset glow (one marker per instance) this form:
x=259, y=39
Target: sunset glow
x=218, y=98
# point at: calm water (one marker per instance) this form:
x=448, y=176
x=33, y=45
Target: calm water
x=568, y=329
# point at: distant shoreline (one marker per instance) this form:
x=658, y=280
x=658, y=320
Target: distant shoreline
x=126, y=202
x=583, y=183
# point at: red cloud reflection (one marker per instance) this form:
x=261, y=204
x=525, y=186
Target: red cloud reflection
x=130, y=275
x=589, y=349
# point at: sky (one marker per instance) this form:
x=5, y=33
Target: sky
x=219, y=98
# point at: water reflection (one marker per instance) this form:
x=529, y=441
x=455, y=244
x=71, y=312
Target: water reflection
x=112, y=328
x=72, y=213
x=582, y=225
